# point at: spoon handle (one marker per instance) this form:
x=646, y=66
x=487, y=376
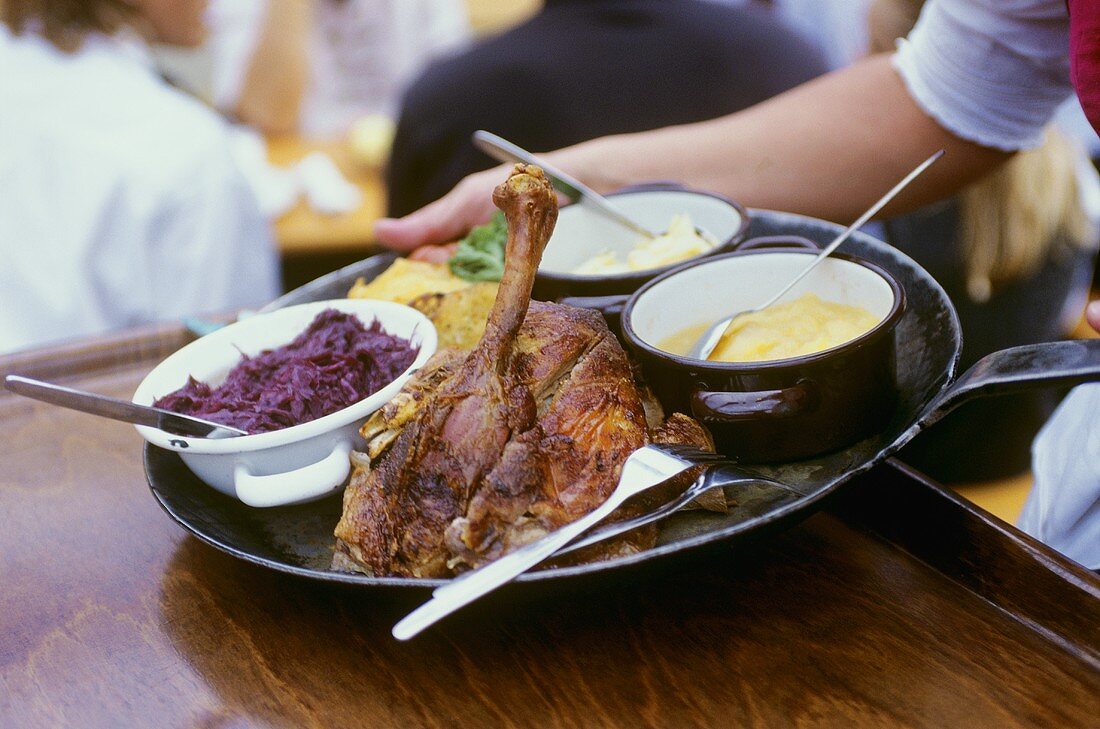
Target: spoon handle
x=504, y=151
x=854, y=226
x=110, y=407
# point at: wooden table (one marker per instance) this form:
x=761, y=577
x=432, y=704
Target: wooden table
x=305, y=232
x=901, y=605
x=489, y=17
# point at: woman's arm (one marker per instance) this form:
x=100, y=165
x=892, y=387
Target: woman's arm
x=278, y=71
x=828, y=148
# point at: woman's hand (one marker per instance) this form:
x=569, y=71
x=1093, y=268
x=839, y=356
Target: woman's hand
x=470, y=203
x=1092, y=314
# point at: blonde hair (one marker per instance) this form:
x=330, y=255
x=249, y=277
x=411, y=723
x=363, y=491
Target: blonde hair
x=1010, y=219
x=66, y=23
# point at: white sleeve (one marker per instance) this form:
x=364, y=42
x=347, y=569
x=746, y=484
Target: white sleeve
x=990, y=71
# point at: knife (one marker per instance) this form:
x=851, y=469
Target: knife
x=124, y=410
x=504, y=151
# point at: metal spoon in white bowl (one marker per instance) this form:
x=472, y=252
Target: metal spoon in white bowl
x=504, y=151
x=714, y=333
x=124, y=410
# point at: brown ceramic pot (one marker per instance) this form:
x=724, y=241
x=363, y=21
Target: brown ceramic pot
x=780, y=410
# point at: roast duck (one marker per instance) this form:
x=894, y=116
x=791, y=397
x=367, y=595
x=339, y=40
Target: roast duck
x=488, y=449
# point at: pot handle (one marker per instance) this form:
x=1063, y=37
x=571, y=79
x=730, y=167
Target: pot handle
x=301, y=484
x=610, y=306
x=731, y=407
x=1070, y=362
x=780, y=241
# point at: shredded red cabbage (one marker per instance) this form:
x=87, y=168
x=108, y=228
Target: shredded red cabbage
x=334, y=363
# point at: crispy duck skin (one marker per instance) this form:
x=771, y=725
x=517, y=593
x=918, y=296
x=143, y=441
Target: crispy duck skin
x=487, y=450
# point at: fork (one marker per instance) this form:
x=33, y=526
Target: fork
x=717, y=475
x=696, y=455
x=645, y=468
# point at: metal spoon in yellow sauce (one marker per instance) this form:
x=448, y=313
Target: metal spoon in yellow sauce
x=805, y=325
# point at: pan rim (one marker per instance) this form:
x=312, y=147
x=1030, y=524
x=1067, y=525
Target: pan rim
x=786, y=511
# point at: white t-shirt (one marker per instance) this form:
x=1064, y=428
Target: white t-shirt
x=121, y=203
x=363, y=53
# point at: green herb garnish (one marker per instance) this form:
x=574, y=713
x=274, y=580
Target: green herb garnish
x=480, y=255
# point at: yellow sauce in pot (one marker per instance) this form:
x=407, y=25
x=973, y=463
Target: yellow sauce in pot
x=806, y=325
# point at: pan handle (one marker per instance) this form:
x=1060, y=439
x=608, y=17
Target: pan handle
x=1021, y=368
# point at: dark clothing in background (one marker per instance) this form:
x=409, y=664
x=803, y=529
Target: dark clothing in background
x=580, y=70
x=989, y=437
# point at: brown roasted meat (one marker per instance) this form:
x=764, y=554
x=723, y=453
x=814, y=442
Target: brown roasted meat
x=486, y=450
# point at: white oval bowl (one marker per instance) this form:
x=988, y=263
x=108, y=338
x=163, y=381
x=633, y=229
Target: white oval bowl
x=296, y=464
x=582, y=231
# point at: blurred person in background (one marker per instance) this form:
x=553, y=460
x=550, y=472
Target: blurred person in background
x=1014, y=252
x=318, y=66
x=581, y=69
x=121, y=204
x=838, y=27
